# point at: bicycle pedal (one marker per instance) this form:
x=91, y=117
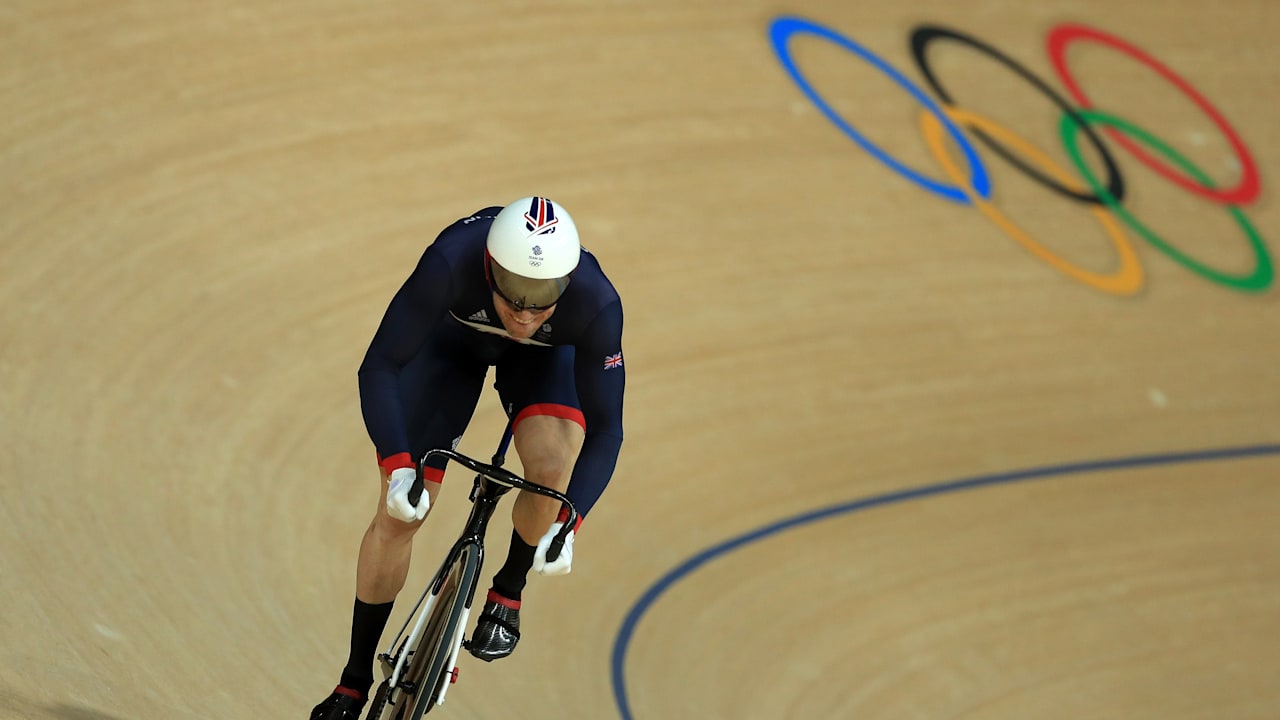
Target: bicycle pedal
x=453, y=676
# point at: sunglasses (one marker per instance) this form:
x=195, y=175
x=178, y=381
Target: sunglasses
x=522, y=293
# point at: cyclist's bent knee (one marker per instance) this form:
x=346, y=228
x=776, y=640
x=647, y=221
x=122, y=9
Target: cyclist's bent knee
x=389, y=527
x=548, y=448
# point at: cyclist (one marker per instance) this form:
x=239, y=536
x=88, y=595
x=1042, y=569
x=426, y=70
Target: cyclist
x=510, y=288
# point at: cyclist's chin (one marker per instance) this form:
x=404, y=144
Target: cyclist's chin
x=517, y=329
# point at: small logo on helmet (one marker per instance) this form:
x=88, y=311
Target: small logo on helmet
x=541, y=218
x=537, y=249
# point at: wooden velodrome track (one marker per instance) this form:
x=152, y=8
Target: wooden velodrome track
x=206, y=207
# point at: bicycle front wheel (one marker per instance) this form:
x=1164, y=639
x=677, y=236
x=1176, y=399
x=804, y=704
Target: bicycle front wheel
x=430, y=668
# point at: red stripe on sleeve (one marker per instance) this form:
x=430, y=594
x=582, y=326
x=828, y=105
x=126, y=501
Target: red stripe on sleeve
x=564, y=515
x=395, y=462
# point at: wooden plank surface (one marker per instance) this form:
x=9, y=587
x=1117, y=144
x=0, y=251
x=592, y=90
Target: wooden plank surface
x=207, y=206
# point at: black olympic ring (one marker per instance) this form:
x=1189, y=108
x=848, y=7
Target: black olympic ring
x=925, y=34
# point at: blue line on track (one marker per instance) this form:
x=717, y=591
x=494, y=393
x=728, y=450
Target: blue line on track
x=623, y=640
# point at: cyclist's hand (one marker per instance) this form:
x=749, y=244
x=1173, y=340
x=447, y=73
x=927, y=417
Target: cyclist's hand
x=398, y=505
x=562, y=564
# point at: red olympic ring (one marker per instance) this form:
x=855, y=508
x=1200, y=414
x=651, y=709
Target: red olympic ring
x=1243, y=193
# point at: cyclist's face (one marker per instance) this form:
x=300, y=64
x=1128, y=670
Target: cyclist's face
x=520, y=323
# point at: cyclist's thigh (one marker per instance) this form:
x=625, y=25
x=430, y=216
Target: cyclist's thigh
x=538, y=381
x=439, y=390
x=537, y=388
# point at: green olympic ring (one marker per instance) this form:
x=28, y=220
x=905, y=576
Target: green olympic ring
x=1256, y=281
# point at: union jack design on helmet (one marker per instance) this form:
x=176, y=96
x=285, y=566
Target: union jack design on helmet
x=541, y=218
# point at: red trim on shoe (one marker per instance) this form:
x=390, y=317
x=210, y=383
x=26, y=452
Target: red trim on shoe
x=502, y=600
x=552, y=410
x=564, y=515
x=395, y=462
x=350, y=693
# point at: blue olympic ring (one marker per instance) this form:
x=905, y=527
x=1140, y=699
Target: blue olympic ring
x=781, y=32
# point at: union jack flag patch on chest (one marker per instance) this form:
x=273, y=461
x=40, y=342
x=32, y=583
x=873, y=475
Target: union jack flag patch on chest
x=613, y=361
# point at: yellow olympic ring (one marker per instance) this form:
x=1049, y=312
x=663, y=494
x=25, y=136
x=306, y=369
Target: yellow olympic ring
x=1127, y=280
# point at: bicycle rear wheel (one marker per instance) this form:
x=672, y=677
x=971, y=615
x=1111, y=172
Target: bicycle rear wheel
x=430, y=668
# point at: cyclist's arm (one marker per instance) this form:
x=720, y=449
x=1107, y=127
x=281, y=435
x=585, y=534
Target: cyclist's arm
x=416, y=308
x=600, y=385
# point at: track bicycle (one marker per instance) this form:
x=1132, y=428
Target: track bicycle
x=420, y=670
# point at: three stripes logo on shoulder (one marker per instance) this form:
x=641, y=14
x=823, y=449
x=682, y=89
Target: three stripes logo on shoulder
x=943, y=118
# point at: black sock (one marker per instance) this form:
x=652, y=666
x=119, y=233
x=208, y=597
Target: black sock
x=367, y=623
x=509, y=581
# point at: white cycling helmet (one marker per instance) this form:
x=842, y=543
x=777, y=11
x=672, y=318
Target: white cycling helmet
x=531, y=252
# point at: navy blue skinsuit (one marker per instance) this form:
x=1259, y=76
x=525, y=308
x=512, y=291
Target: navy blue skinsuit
x=425, y=368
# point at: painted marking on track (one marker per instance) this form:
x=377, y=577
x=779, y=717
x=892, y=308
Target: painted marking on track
x=622, y=640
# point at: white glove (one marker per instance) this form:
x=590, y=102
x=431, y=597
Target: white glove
x=562, y=564
x=398, y=505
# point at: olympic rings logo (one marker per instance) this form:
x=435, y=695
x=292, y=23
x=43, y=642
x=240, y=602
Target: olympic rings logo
x=1105, y=196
